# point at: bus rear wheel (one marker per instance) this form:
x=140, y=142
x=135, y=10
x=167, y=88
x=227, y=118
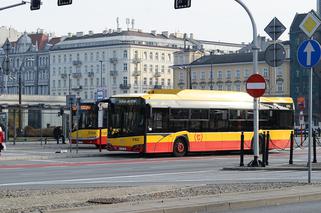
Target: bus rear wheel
x=180, y=148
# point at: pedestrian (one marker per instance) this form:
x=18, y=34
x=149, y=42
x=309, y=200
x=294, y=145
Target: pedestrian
x=58, y=134
x=2, y=140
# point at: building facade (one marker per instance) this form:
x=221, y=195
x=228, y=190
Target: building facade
x=300, y=76
x=230, y=72
x=118, y=62
x=28, y=60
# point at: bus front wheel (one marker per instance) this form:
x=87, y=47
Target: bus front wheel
x=180, y=148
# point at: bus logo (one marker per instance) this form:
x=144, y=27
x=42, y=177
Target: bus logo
x=198, y=137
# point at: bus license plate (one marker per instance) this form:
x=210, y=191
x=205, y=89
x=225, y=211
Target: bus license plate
x=122, y=148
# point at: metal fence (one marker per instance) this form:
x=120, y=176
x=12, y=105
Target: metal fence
x=32, y=123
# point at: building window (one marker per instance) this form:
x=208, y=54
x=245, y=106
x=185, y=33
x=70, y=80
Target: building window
x=91, y=56
x=145, y=67
x=163, y=69
x=156, y=56
x=238, y=74
x=194, y=75
x=279, y=72
x=145, y=81
x=246, y=73
x=169, y=57
x=279, y=86
x=86, y=57
x=150, y=81
x=125, y=67
x=54, y=83
x=97, y=82
x=125, y=55
x=156, y=68
x=136, y=81
x=169, y=82
x=150, y=68
x=114, y=80
x=163, y=56
x=86, y=82
x=151, y=56
x=97, y=56
x=125, y=80
x=265, y=72
x=220, y=75
x=145, y=55
x=238, y=86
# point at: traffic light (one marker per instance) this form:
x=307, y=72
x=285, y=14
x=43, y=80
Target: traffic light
x=61, y=111
x=179, y=4
x=35, y=4
x=64, y=2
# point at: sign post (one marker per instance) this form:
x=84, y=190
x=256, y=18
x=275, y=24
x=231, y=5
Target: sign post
x=309, y=54
x=255, y=86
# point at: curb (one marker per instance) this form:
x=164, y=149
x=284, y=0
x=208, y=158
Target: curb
x=193, y=206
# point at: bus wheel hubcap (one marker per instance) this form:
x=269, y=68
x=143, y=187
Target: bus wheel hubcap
x=180, y=147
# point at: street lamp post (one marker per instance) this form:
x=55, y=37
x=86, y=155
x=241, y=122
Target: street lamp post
x=20, y=91
x=69, y=84
x=255, y=49
x=101, y=73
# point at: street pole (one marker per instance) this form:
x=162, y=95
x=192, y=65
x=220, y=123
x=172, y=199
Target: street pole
x=190, y=77
x=211, y=77
x=310, y=126
x=69, y=84
x=101, y=73
x=13, y=5
x=255, y=48
x=20, y=88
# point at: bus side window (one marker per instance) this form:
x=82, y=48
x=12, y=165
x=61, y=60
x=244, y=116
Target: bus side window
x=159, y=120
x=218, y=120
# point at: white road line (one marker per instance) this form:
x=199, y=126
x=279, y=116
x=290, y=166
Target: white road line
x=142, y=178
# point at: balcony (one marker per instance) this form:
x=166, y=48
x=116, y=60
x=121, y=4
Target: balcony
x=76, y=75
x=91, y=74
x=64, y=75
x=113, y=72
x=136, y=73
x=77, y=63
x=124, y=86
x=137, y=60
x=113, y=60
x=157, y=74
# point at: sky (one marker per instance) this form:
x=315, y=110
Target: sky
x=215, y=20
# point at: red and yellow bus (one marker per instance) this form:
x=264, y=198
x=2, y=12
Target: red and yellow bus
x=182, y=121
x=90, y=124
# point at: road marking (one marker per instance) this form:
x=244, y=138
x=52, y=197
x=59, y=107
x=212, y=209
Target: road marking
x=247, y=177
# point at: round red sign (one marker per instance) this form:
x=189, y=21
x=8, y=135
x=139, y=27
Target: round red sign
x=255, y=85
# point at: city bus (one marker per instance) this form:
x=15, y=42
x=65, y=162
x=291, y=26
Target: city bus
x=91, y=124
x=183, y=121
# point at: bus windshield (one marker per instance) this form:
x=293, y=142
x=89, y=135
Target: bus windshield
x=88, y=118
x=126, y=120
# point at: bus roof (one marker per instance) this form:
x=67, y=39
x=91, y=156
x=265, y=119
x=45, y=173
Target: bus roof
x=202, y=99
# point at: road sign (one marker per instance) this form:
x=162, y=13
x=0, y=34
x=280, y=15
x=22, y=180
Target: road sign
x=275, y=29
x=100, y=94
x=301, y=103
x=275, y=55
x=310, y=24
x=309, y=53
x=255, y=85
x=71, y=100
x=180, y=4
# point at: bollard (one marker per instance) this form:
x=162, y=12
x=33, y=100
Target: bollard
x=314, y=135
x=267, y=147
x=291, y=148
x=263, y=147
x=242, y=150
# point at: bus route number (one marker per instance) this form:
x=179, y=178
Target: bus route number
x=198, y=137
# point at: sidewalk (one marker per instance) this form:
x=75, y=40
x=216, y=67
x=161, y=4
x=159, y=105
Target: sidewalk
x=210, y=204
x=51, y=150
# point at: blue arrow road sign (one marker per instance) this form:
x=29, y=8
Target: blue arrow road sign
x=309, y=53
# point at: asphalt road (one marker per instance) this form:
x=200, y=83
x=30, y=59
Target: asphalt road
x=307, y=207
x=110, y=168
